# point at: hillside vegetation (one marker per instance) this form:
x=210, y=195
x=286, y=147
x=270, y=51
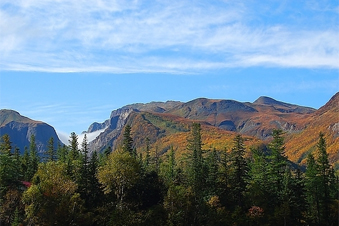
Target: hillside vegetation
x=242, y=183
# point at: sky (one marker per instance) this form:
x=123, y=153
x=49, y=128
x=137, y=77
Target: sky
x=70, y=63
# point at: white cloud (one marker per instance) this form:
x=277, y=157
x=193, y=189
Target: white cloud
x=64, y=137
x=162, y=36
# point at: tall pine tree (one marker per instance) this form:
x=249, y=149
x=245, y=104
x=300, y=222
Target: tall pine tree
x=127, y=140
x=239, y=171
x=34, y=158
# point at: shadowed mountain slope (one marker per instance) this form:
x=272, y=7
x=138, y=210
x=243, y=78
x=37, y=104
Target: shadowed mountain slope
x=20, y=129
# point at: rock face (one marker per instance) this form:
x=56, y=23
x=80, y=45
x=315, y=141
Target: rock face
x=118, y=119
x=113, y=129
x=20, y=129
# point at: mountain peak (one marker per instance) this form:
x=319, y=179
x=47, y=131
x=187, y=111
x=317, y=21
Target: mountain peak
x=20, y=129
x=7, y=116
x=267, y=100
x=332, y=104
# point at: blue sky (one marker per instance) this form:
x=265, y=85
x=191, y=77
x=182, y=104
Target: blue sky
x=70, y=63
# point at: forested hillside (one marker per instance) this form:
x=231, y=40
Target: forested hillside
x=246, y=183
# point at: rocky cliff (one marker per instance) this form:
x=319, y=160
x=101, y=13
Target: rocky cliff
x=20, y=129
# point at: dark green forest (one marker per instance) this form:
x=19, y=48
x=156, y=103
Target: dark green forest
x=240, y=186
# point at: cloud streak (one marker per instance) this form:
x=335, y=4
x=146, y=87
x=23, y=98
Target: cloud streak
x=169, y=37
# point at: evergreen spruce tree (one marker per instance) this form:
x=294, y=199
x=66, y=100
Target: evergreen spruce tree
x=196, y=169
x=239, y=171
x=9, y=182
x=327, y=186
x=312, y=184
x=50, y=153
x=297, y=198
x=6, y=145
x=277, y=164
x=197, y=174
x=8, y=166
x=168, y=169
x=73, y=153
x=95, y=194
x=127, y=140
x=62, y=153
x=147, y=159
x=34, y=158
x=17, y=154
x=212, y=173
x=25, y=162
x=258, y=190
x=84, y=172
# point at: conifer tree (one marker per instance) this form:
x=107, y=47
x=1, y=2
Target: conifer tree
x=239, y=171
x=9, y=172
x=212, y=173
x=197, y=173
x=50, y=153
x=312, y=184
x=6, y=145
x=25, y=162
x=9, y=181
x=196, y=169
x=258, y=179
x=224, y=178
x=168, y=168
x=62, y=153
x=83, y=179
x=95, y=194
x=327, y=186
x=17, y=154
x=148, y=156
x=73, y=153
x=127, y=140
x=277, y=164
x=34, y=158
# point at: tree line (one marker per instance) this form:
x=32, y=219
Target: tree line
x=70, y=186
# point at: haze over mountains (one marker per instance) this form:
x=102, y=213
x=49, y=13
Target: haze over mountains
x=168, y=123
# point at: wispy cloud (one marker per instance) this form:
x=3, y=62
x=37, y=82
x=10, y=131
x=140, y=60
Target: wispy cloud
x=162, y=36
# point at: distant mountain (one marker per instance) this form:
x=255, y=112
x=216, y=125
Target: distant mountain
x=283, y=107
x=20, y=129
x=117, y=121
x=256, y=119
x=111, y=123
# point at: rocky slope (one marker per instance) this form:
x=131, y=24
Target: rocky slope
x=20, y=129
x=325, y=120
x=117, y=121
x=256, y=119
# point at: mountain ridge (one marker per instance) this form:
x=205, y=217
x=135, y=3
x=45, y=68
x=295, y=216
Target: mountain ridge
x=256, y=119
x=168, y=123
x=20, y=129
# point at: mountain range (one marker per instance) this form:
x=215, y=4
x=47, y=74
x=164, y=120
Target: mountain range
x=167, y=124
